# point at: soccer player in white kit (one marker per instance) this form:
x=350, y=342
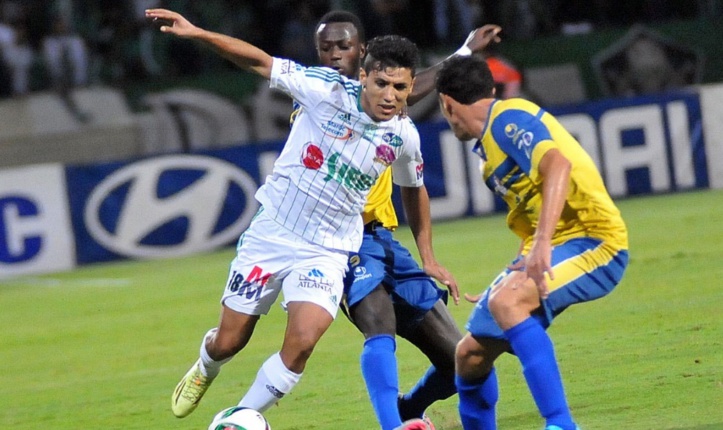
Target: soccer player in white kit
x=309, y=219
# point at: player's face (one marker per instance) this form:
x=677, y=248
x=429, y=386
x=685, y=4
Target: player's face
x=338, y=47
x=458, y=118
x=385, y=92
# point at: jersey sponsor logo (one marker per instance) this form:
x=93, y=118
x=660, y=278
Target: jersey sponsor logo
x=294, y=114
x=316, y=280
x=348, y=176
x=251, y=286
x=369, y=131
x=522, y=138
x=316, y=273
x=497, y=186
x=199, y=189
x=360, y=273
x=344, y=117
x=385, y=155
x=420, y=171
x=354, y=260
x=392, y=139
x=511, y=130
x=312, y=158
x=525, y=142
x=336, y=130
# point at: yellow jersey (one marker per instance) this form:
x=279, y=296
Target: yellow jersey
x=517, y=135
x=379, y=205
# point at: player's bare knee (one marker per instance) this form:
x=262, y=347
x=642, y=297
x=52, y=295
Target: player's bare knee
x=468, y=353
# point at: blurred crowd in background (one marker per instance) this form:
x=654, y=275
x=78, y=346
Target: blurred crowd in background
x=56, y=44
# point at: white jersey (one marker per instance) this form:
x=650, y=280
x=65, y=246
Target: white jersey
x=333, y=155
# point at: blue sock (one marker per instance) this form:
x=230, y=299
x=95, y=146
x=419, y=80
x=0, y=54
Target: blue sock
x=534, y=349
x=379, y=368
x=432, y=386
x=477, y=402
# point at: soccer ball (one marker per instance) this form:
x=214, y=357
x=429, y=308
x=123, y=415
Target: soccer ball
x=239, y=418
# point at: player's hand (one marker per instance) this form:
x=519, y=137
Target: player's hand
x=404, y=111
x=538, y=266
x=442, y=275
x=473, y=298
x=171, y=22
x=479, y=38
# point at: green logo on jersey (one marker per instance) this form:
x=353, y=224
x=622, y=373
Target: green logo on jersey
x=369, y=131
x=348, y=176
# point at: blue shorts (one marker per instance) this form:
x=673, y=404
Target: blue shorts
x=585, y=269
x=383, y=260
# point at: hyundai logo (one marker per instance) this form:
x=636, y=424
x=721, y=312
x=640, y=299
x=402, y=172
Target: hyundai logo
x=170, y=206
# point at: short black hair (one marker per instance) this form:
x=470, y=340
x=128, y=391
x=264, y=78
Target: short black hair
x=343, y=16
x=466, y=79
x=391, y=51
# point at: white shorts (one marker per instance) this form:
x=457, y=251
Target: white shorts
x=271, y=259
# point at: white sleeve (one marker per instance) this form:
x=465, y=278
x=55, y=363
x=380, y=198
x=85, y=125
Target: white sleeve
x=306, y=85
x=408, y=168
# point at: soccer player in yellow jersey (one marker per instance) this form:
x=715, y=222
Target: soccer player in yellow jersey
x=386, y=292
x=574, y=241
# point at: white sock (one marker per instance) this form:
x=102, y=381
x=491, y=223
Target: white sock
x=209, y=366
x=273, y=381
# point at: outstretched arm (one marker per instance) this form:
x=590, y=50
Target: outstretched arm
x=416, y=207
x=242, y=54
x=477, y=41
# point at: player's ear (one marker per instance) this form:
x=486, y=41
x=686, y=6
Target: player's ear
x=363, y=77
x=444, y=105
x=362, y=51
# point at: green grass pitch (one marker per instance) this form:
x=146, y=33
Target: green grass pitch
x=104, y=346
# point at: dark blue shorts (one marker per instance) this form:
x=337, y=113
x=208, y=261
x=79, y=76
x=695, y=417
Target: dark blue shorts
x=383, y=260
x=585, y=269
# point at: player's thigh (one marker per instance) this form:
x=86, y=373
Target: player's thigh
x=437, y=336
x=481, y=323
x=585, y=269
x=312, y=292
x=366, y=270
x=414, y=293
x=513, y=298
x=263, y=256
x=374, y=313
x=316, y=276
x=306, y=324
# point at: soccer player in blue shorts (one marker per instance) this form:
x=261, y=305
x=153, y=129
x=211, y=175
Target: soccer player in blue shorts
x=386, y=292
x=574, y=241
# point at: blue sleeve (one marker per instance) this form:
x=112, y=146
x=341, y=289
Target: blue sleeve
x=517, y=133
